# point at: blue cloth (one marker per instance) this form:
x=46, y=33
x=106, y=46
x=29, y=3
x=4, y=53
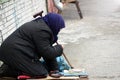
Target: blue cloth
x=55, y=23
x=62, y=64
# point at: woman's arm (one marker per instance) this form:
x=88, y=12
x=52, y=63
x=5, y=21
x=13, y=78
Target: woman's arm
x=42, y=40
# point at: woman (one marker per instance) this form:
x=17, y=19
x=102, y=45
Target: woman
x=22, y=50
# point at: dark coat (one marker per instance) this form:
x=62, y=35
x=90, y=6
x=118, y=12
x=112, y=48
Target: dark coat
x=33, y=39
x=22, y=50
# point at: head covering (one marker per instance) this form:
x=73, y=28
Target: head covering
x=55, y=22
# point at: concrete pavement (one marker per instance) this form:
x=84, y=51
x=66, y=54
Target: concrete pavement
x=93, y=42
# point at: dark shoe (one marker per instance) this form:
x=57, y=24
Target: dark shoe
x=6, y=71
x=55, y=74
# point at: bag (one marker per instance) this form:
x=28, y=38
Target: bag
x=62, y=63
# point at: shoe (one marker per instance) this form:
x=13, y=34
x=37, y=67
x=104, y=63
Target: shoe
x=55, y=74
x=6, y=71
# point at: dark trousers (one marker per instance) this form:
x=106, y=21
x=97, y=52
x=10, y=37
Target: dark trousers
x=21, y=64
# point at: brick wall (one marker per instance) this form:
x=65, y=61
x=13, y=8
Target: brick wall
x=16, y=12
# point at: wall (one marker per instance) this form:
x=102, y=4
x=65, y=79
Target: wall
x=16, y=12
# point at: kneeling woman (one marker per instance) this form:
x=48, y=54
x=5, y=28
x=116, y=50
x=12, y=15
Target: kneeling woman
x=22, y=50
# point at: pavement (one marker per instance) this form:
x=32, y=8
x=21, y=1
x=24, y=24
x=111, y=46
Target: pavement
x=93, y=43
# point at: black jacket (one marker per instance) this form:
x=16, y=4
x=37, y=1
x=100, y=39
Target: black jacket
x=31, y=39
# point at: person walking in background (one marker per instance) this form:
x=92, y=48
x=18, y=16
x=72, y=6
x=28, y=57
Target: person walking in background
x=22, y=50
x=55, y=6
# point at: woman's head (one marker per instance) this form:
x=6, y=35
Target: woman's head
x=55, y=23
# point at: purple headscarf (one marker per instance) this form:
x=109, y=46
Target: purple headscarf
x=55, y=22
